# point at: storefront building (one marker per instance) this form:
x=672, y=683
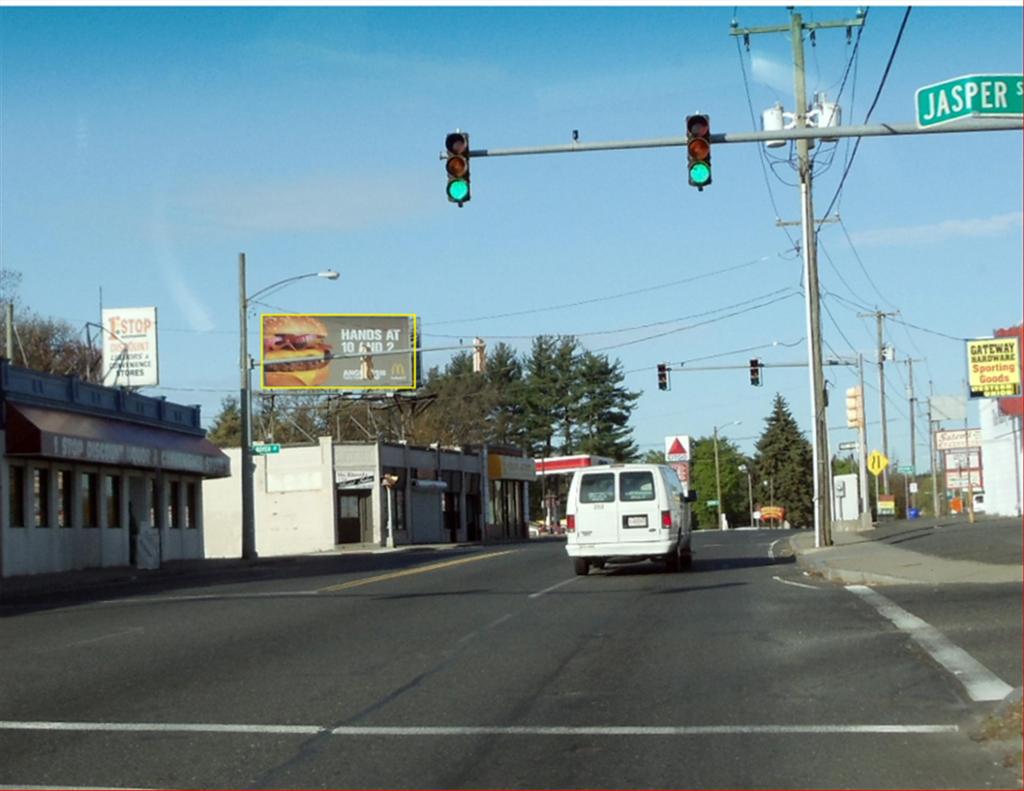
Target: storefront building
x=317, y=498
x=94, y=476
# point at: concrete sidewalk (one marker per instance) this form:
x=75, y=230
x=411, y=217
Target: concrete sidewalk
x=871, y=557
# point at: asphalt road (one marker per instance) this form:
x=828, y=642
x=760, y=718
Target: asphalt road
x=498, y=667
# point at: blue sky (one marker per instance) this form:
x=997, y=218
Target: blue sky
x=143, y=148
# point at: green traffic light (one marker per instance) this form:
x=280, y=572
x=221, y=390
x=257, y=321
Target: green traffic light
x=700, y=173
x=458, y=190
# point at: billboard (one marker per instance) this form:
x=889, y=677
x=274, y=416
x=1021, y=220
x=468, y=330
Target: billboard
x=993, y=367
x=338, y=351
x=129, y=347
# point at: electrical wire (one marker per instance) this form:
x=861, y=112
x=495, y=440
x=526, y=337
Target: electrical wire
x=645, y=290
x=878, y=94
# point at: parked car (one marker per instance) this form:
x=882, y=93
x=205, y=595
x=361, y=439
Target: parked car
x=628, y=512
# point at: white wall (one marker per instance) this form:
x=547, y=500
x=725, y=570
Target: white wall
x=1001, y=457
x=293, y=502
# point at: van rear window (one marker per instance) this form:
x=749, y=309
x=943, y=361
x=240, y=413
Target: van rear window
x=635, y=486
x=597, y=488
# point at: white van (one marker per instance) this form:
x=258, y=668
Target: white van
x=628, y=512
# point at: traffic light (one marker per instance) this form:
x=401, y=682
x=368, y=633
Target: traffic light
x=755, y=372
x=698, y=150
x=662, y=376
x=456, y=146
x=854, y=407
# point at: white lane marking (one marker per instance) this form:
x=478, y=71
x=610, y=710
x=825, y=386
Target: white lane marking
x=556, y=585
x=771, y=549
x=795, y=584
x=160, y=727
x=91, y=640
x=471, y=730
x=980, y=682
x=632, y=730
x=491, y=625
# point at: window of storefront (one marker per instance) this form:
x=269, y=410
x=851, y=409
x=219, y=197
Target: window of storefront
x=16, y=488
x=65, y=501
x=191, y=504
x=90, y=499
x=112, y=495
x=154, y=504
x=41, y=496
x=172, y=504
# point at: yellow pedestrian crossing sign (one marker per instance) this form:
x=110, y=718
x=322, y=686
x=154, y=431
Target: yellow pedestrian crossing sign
x=877, y=462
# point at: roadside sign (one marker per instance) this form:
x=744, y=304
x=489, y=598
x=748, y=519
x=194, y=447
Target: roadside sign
x=847, y=446
x=877, y=462
x=993, y=366
x=711, y=503
x=905, y=469
x=887, y=505
x=677, y=448
x=986, y=95
x=264, y=449
x=913, y=487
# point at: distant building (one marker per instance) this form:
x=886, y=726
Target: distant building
x=94, y=476
x=315, y=498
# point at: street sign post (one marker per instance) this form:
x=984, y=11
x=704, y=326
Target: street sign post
x=264, y=449
x=972, y=95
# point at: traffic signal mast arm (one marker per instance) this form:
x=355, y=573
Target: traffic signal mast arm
x=684, y=368
x=810, y=133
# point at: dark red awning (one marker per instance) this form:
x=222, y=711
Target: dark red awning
x=56, y=434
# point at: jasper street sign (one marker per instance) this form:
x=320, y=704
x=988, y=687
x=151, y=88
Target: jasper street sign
x=988, y=95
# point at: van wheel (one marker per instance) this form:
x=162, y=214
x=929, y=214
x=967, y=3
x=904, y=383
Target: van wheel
x=597, y=563
x=686, y=560
x=672, y=561
x=581, y=565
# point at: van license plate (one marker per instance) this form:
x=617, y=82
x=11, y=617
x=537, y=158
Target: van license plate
x=636, y=521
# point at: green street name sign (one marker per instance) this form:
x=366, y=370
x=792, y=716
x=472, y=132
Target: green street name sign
x=711, y=503
x=263, y=450
x=981, y=95
x=905, y=469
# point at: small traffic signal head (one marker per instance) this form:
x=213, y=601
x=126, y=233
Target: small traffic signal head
x=662, y=376
x=456, y=146
x=755, y=372
x=698, y=150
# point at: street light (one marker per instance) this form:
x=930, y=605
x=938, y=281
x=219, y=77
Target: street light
x=245, y=402
x=750, y=492
x=718, y=477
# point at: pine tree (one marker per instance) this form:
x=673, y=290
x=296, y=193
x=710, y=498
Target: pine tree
x=226, y=431
x=603, y=409
x=785, y=461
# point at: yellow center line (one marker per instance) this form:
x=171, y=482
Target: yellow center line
x=407, y=572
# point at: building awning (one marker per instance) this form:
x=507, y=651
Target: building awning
x=68, y=436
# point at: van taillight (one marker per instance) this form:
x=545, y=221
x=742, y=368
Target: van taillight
x=666, y=519
x=570, y=524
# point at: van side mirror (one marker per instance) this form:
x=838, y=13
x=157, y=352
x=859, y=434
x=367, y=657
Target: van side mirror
x=691, y=496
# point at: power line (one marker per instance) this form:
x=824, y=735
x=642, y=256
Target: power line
x=594, y=300
x=878, y=94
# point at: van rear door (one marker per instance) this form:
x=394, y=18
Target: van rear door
x=596, y=512
x=639, y=506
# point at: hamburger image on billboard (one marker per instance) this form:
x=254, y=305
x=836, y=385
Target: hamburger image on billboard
x=339, y=351
x=295, y=351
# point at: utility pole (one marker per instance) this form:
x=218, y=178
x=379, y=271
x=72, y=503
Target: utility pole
x=819, y=428
x=913, y=419
x=862, y=464
x=880, y=323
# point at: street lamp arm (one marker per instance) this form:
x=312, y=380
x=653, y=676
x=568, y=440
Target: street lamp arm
x=329, y=274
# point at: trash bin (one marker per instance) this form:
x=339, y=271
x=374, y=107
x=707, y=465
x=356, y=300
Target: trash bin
x=913, y=513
